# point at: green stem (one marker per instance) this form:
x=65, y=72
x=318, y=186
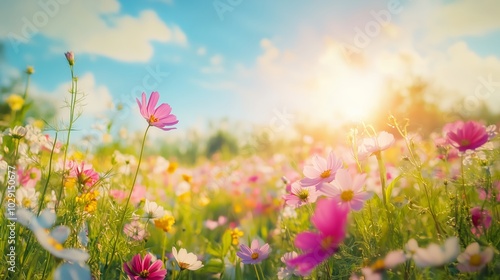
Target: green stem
x=122, y=219
x=70, y=126
x=42, y=197
x=256, y=272
x=163, y=248
x=383, y=175
x=262, y=272
x=25, y=95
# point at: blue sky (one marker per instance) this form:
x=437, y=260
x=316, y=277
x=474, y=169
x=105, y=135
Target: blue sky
x=252, y=59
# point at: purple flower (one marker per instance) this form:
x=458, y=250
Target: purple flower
x=161, y=116
x=255, y=254
x=467, y=136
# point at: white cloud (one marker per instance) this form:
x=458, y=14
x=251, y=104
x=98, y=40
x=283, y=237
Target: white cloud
x=94, y=27
x=96, y=100
x=216, y=65
x=442, y=21
x=201, y=51
x=461, y=70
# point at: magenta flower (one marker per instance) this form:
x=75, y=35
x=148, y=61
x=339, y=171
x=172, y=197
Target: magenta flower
x=320, y=170
x=159, y=117
x=467, y=136
x=300, y=195
x=255, y=254
x=347, y=192
x=331, y=221
x=481, y=220
x=139, y=269
x=84, y=174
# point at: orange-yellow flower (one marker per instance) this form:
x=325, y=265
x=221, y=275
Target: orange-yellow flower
x=165, y=223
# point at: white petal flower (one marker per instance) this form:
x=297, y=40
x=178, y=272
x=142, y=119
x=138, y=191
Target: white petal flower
x=153, y=211
x=472, y=259
x=435, y=255
x=186, y=260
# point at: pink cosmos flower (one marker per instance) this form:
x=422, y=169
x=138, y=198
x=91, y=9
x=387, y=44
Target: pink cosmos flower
x=160, y=117
x=481, y=220
x=135, y=230
x=301, y=195
x=138, y=193
x=331, y=221
x=28, y=178
x=383, y=141
x=467, y=136
x=484, y=194
x=320, y=170
x=211, y=224
x=253, y=254
x=288, y=271
x=139, y=269
x=84, y=174
x=346, y=191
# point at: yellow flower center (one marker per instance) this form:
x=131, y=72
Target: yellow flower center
x=26, y=202
x=327, y=242
x=464, y=142
x=326, y=174
x=475, y=260
x=378, y=265
x=153, y=119
x=144, y=274
x=255, y=256
x=303, y=194
x=183, y=265
x=347, y=195
x=55, y=244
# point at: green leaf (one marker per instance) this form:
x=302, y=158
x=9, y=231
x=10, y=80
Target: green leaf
x=388, y=189
x=214, y=250
x=214, y=265
x=238, y=272
x=226, y=242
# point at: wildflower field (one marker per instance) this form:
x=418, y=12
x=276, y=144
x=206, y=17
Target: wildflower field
x=388, y=203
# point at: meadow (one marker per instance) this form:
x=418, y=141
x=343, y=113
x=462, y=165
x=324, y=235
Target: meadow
x=380, y=203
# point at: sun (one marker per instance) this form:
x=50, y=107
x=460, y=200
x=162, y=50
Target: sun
x=348, y=96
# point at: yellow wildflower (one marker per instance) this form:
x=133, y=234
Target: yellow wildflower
x=165, y=223
x=15, y=102
x=187, y=178
x=89, y=200
x=236, y=233
x=30, y=70
x=172, y=167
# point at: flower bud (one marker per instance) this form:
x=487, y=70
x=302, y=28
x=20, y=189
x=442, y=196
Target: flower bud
x=70, y=56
